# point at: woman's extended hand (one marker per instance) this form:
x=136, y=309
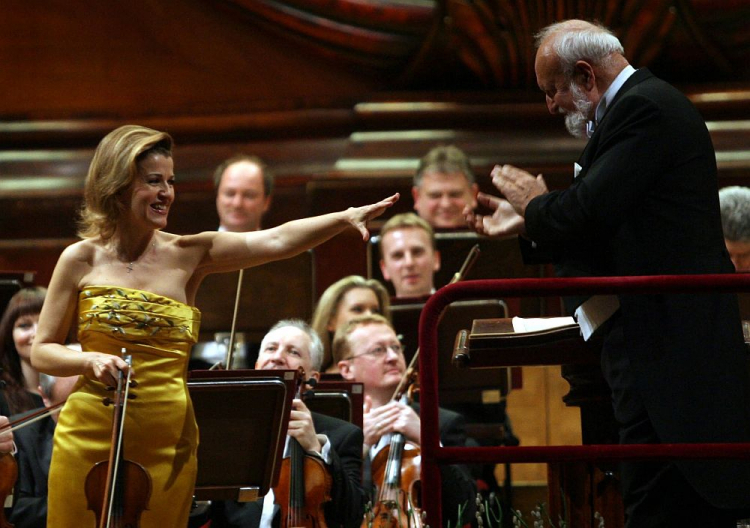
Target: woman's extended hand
x=359, y=216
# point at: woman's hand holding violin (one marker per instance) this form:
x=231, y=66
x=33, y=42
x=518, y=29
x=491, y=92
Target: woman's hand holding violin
x=105, y=367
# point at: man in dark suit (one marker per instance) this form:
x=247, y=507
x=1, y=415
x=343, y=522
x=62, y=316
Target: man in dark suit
x=643, y=202
x=367, y=350
x=289, y=345
x=34, y=443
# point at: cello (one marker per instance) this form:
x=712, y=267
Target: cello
x=304, y=484
x=117, y=489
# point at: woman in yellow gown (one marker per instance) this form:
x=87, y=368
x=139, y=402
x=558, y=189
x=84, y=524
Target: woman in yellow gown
x=127, y=284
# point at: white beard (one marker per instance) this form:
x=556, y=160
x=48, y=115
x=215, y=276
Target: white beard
x=576, y=121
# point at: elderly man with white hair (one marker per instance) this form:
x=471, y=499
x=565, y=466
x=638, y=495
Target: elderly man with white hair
x=643, y=202
x=735, y=221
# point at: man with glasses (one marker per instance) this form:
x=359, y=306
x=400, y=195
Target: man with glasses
x=367, y=350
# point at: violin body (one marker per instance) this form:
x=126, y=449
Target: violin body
x=316, y=481
x=8, y=477
x=398, y=467
x=135, y=484
x=118, y=489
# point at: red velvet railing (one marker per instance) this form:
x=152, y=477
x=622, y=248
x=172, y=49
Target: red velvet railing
x=433, y=455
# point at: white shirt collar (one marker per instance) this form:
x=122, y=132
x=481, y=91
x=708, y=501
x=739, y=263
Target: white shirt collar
x=611, y=92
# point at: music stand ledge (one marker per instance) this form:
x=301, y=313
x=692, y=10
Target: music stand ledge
x=242, y=416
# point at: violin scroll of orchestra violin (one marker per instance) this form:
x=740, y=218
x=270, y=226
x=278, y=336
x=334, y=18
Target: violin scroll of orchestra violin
x=304, y=484
x=117, y=489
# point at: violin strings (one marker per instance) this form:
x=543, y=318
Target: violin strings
x=124, y=404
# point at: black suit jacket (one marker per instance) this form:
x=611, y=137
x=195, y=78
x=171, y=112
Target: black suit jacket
x=346, y=508
x=34, y=443
x=646, y=203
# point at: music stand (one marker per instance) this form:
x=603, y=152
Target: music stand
x=10, y=283
x=243, y=417
x=339, y=399
x=216, y=295
x=498, y=258
x=457, y=385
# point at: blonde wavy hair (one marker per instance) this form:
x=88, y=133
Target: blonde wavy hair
x=112, y=171
x=329, y=303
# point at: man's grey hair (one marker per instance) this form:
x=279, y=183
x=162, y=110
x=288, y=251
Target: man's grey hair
x=316, y=345
x=735, y=213
x=444, y=159
x=578, y=40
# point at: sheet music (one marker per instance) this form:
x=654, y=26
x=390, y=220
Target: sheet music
x=536, y=324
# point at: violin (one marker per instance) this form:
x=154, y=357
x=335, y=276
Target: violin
x=8, y=464
x=398, y=468
x=118, y=489
x=304, y=485
x=8, y=476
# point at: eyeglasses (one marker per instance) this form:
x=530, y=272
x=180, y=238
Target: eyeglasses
x=379, y=351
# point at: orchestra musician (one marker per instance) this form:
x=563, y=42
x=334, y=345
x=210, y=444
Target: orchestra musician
x=18, y=328
x=129, y=285
x=243, y=192
x=408, y=255
x=289, y=345
x=34, y=453
x=443, y=186
x=342, y=301
x=367, y=350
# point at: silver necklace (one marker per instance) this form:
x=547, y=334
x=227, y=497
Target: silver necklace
x=132, y=263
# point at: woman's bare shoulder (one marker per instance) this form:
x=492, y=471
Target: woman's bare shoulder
x=81, y=251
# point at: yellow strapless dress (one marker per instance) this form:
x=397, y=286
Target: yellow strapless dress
x=160, y=429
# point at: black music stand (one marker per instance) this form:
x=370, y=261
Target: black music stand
x=10, y=283
x=457, y=385
x=339, y=399
x=243, y=417
x=216, y=296
x=499, y=258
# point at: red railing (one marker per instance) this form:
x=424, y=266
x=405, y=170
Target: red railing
x=433, y=455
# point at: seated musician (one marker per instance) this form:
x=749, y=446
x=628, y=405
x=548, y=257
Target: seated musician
x=34, y=444
x=243, y=186
x=408, y=258
x=291, y=344
x=443, y=186
x=368, y=351
x=6, y=437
